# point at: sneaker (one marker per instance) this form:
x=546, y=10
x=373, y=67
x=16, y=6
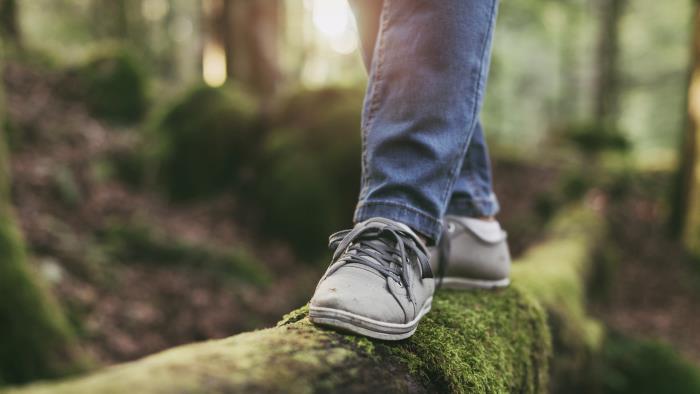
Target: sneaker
x=379, y=283
x=472, y=254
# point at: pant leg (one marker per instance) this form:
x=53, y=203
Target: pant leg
x=473, y=194
x=427, y=76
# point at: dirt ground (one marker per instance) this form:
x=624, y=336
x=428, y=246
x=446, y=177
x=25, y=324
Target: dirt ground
x=655, y=291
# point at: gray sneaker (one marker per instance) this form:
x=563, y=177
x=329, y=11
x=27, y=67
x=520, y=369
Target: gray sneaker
x=379, y=283
x=472, y=255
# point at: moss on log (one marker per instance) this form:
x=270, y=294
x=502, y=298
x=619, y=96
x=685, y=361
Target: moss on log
x=471, y=342
x=556, y=274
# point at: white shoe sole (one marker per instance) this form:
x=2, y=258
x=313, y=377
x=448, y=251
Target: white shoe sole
x=456, y=283
x=365, y=326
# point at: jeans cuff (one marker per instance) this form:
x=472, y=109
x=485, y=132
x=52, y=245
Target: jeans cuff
x=474, y=207
x=419, y=221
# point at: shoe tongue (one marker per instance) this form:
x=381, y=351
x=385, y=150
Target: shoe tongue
x=400, y=225
x=425, y=265
x=367, y=256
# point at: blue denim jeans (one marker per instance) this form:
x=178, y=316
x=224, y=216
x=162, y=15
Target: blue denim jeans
x=424, y=153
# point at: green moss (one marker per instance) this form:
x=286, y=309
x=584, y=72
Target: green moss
x=13, y=134
x=311, y=158
x=603, y=276
x=481, y=341
x=297, y=358
x=556, y=273
x=65, y=186
x=294, y=316
x=472, y=342
x=594, y=138
x=133, y=241
x=129, y=166
x=208, y=142
x=629, y=366
x=35, y=339
x=559, y=286
x=112, y=84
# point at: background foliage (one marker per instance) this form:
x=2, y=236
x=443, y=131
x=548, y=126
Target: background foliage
x=177, y=166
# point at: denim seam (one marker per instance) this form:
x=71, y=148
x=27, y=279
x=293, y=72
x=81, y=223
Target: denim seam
x=472, y=175
x=479, y=74
x=408, y=207
x=472, y=199
x=432, y=221
x=471, y=203
x=376, y=84
x=474, y=209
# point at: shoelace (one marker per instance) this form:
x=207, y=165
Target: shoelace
x=382, y=247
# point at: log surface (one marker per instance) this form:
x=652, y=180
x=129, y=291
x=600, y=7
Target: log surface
x=483, y=341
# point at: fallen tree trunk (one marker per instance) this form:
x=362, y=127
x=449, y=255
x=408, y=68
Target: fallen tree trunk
x=471, y=341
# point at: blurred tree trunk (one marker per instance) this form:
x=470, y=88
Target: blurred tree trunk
x=186, y=42
x=607, y=85
x=9, y=23
x=568, y=103
x=251, y=32
x=35, y=339
x=685, y=218
x=110, y=18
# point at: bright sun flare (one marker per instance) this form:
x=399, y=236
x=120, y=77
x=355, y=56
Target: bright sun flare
x=333, y=20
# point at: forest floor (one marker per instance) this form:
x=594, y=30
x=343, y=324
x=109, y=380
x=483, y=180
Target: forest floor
x=128, y=309
x=66, y=198
x=655, y=288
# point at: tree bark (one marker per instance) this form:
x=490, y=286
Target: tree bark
x=250, y=31
x=35, y=339
x=110, y=19
x=477, y=342
x=568, y=103
x=9, y=23
x=607, y=86
x=685, y=218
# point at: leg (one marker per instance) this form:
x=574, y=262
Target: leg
x=427, y=74
x=427, y=78
x=367, y=14
x=473, y=194
x=477, y=255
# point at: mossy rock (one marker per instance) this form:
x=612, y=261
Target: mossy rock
x=309, y=182
x=208, y=142
x=144, y=244
x=633, y=366
x=36, y=341
x=591, y=138
x=112, y=84
x=129, y=166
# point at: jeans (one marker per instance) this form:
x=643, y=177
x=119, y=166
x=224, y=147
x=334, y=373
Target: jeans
x=424, y=153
